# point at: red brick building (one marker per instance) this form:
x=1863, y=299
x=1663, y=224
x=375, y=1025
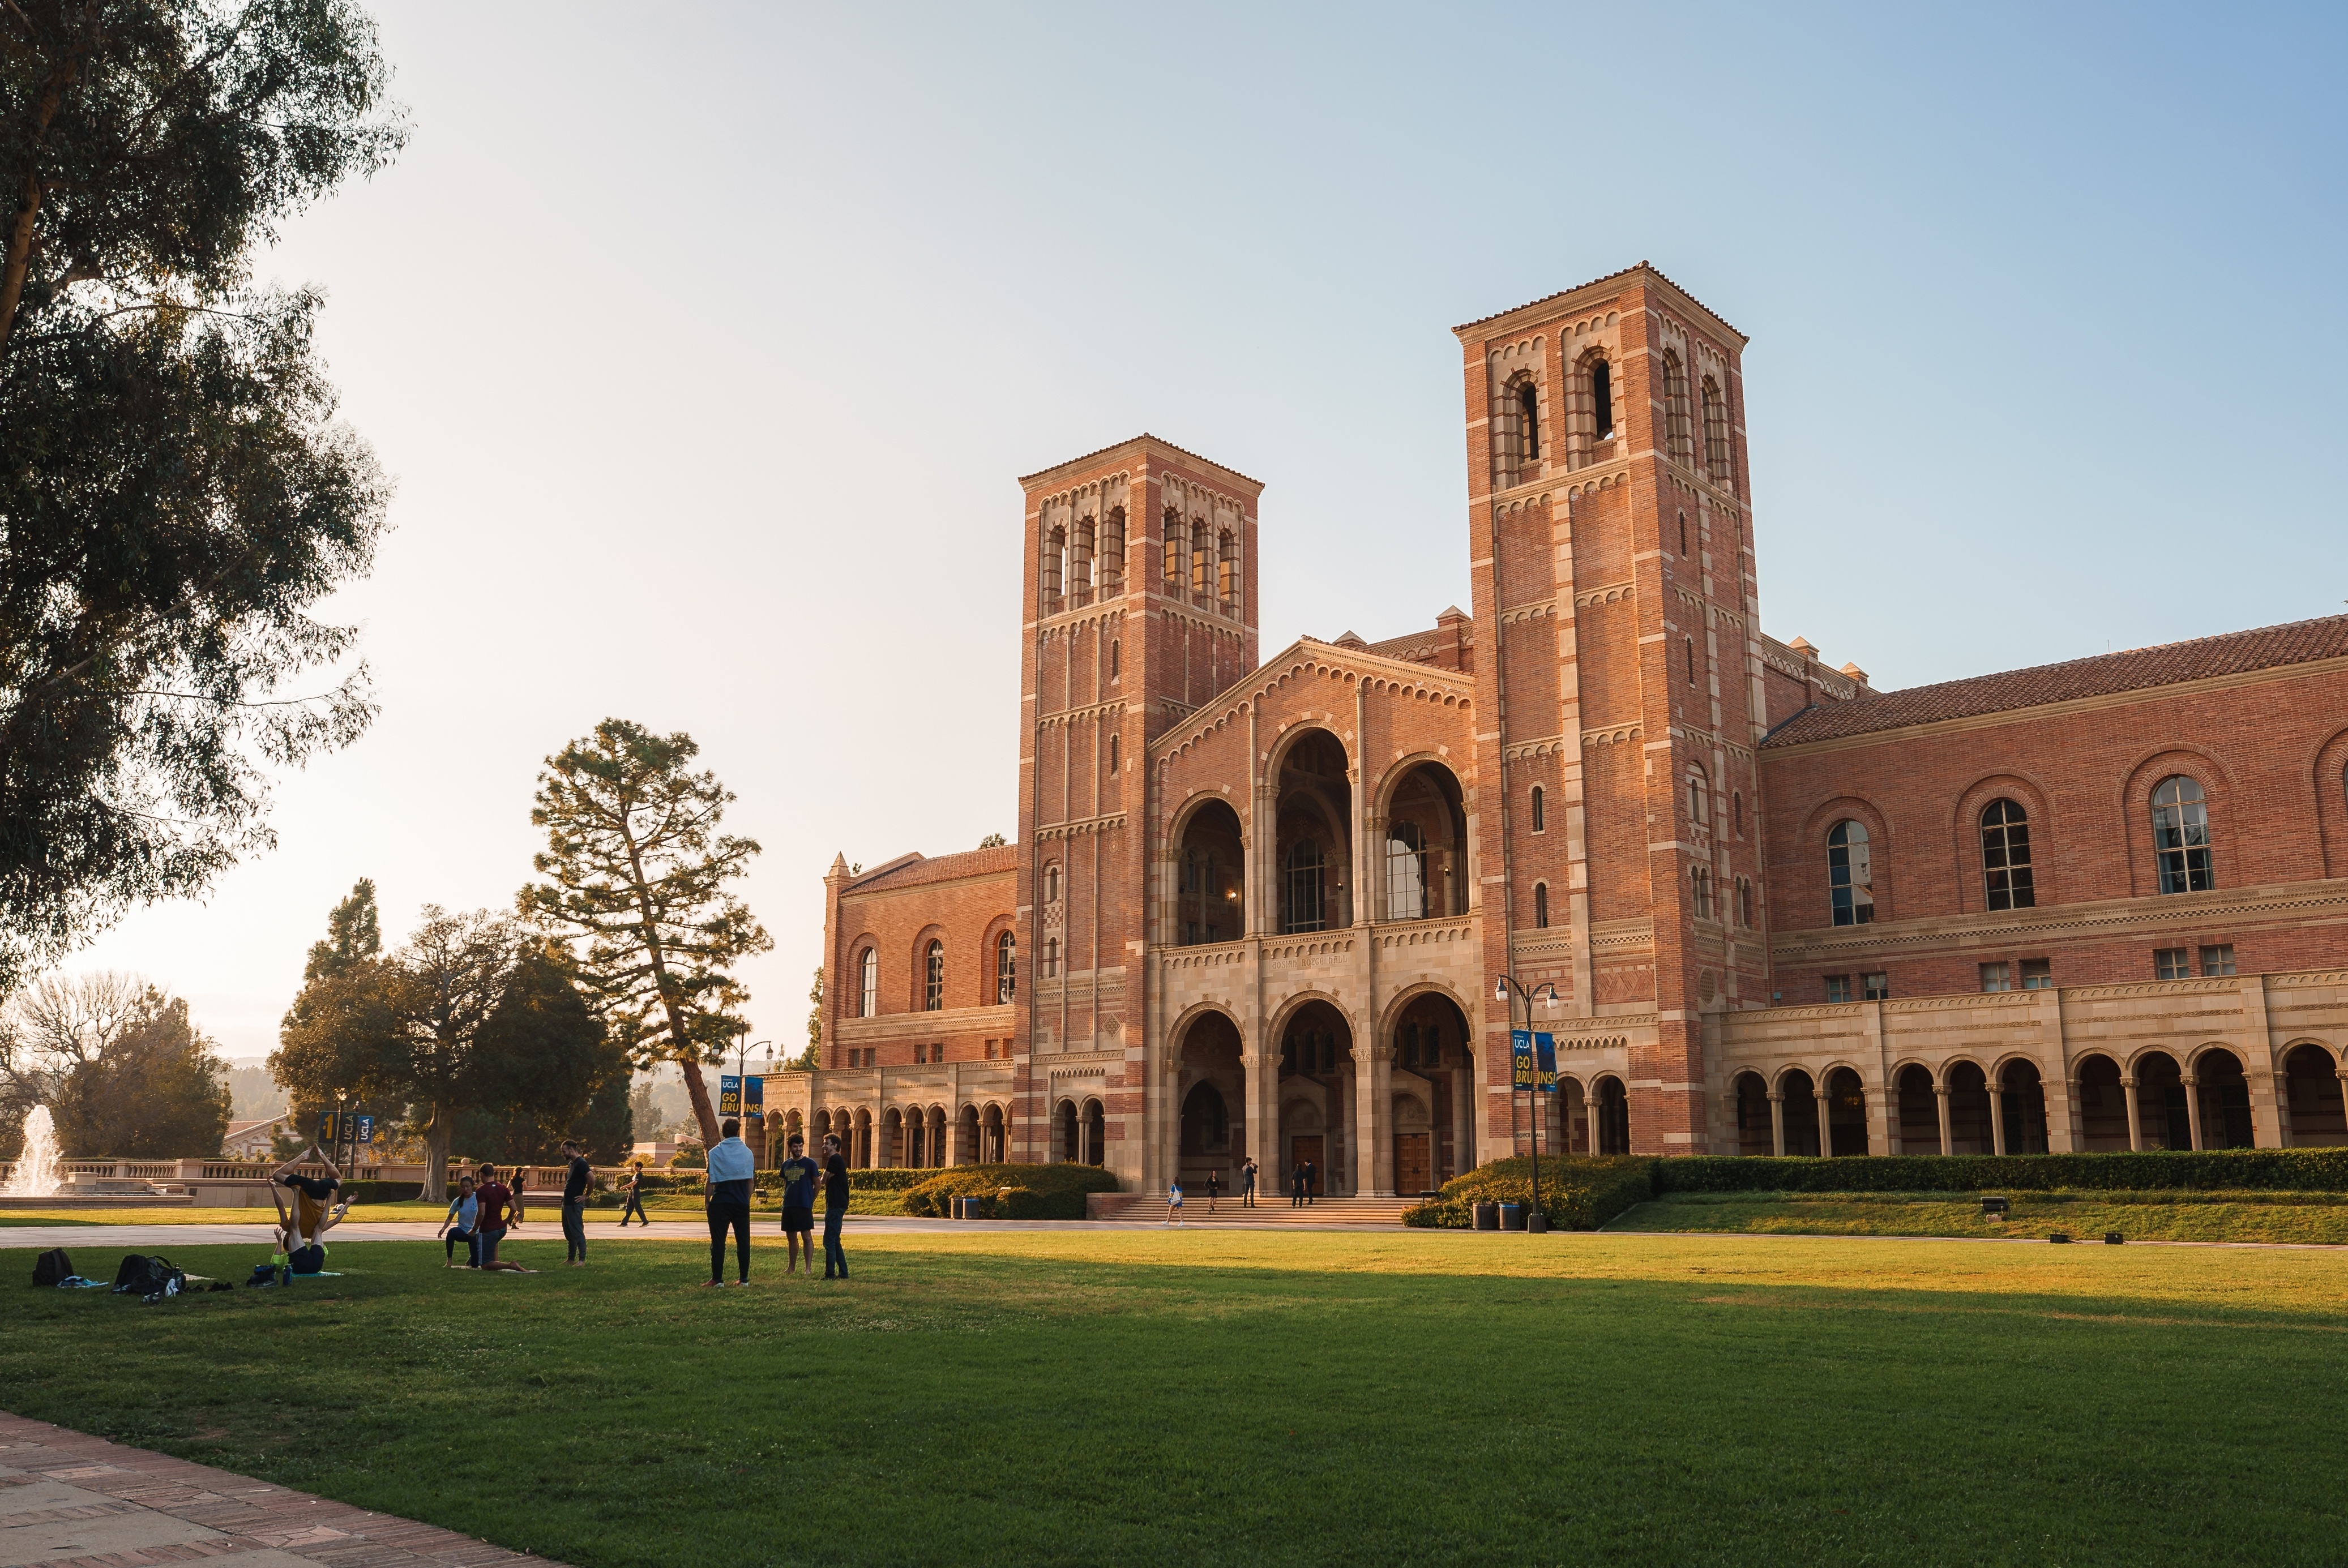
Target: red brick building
x=1257, y=906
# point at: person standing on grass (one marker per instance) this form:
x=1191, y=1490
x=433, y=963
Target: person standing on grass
x=799, y=1174
x=463, y=1210
x=636, y=1197
x=1174, y=1201
x=835, y=1207
x=1246, y=1183
x=577, y=1177
x=731, y=1168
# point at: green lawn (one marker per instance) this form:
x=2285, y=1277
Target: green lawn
x=2298, y=1218
x=1219, y=1397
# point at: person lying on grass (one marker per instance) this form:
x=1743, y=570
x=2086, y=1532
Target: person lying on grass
x=311, y=1212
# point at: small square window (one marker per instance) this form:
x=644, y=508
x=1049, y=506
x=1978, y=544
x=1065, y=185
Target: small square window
x=2037, y=974
x=1837, y=987
x=2168, y=964
x=2218, y=960
x=1995, y=978
x=1877, y=987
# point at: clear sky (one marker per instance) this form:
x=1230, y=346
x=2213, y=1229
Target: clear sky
x=706, y=344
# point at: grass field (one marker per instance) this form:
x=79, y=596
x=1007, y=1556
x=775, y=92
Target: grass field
x=2292, y=1217
x=1215, y=1398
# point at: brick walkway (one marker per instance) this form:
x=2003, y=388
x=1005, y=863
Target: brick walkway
x=67, y=1501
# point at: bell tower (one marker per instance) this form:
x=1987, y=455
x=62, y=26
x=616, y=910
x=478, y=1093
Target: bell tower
x=1138, y=605
x=1612, y=542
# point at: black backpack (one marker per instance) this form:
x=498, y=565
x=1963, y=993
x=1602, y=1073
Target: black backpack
x=52, y=1268
x=143, y=1275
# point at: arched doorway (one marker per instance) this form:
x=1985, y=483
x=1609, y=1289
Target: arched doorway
x=1970, y=1131
x=1432, y=1060
x=2103, y=1106
x=1312, y=851
x=1210, y=879
x=2161, y=1115
x=1096, y=1133
x=1316, y=1071
x=1065, y=1133
x=1411, y=1114
x=966, y=1144
x=992, y=1140
x=1799, y=1104
x=2022, y=1105
x=937, y=1137
x=1846, y=1112
x=1422, y=874
x=917, y=1140
x=1210, y=1130
x=2224, y=1097
x=1754, y=1135
x=2312, y=1093
x=863, y=1156
x=1919, y=1111
x=1613, y=1116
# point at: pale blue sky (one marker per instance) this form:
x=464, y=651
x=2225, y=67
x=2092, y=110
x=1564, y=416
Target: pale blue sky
x=706, y=345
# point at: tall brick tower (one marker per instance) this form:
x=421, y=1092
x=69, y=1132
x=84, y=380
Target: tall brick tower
x=1611, y=542
x=1137, y=604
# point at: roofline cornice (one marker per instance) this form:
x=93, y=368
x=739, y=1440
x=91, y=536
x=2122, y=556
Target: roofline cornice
x=1144, y=445
x=1597, y=289
x=1207, y=713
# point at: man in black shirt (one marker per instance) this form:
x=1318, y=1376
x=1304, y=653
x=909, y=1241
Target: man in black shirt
x=576, y=1180
x=835, y=1207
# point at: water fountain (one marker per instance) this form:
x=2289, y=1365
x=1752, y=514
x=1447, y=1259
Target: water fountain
x=35, y=1175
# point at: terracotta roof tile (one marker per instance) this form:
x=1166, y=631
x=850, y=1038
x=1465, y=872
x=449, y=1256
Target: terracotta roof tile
x=1145, y=435
x=941, y=868
x=1641, y=267
x=2103, y=675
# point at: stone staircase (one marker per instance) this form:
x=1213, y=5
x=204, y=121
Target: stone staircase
x=1270, y=1213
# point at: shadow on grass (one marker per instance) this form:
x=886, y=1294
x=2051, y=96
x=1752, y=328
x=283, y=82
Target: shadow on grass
x=1070, y=1399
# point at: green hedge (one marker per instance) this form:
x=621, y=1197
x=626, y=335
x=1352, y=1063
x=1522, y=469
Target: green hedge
x=892, y=1179
x=1035, y=1191
x=2286, y=1170
x=1578, y=1193
x=383, y=1192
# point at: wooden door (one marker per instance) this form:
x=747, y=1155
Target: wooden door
x=1414, y=1163
x=1305, y=1148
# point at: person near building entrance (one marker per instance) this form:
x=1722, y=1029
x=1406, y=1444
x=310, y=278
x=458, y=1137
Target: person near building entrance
x=731, y=1168
x=1312, y=1179
x=1214, y=1188
x=1296, y=1186
x=799, y=1174
x=835, y=1207
x=1174, y=1201
x=636, y=1197
x=1247, y=1184
x=577, y=1177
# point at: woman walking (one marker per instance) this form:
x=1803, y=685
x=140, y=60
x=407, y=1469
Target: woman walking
x=636, y=1197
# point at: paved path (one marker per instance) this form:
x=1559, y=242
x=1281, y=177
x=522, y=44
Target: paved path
x=67, y=1501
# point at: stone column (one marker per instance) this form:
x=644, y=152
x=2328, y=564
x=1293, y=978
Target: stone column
x=1996, y=1119
x=1941, y=1099
x=2193, y=1108
x=1778, y=1122
x=1375, y=1161
x=2136, y=1122
x=1826, y=1123
x=1345, y=1169
x=1262, y=1095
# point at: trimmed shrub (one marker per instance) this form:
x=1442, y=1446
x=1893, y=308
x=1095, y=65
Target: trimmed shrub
x=2285, y=1170
x=1036, y=1192
x=892, y=1179
x=385, y=1191
x=1578, y=1192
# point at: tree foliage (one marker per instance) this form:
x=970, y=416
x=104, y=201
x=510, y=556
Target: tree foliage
x=119, y=1063
x=638, y=889
x=809, y=1058
x=176, y=496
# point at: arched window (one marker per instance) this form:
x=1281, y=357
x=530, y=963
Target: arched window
x=1052, y=883
x=1227, y=571
x=1677, y=445
x=933, y=979
x=1700, y=886
x=1199, y=541
x=1850, y=875
x=1051, y=957
x=1699, y=799
x=1080, y=562
x=2181, y=835
x=868, y=995
x=2005, y=856
x=1602, y=399
x=1055, y=546
x=1301, y=888
x=1176, y=544
x=1529, y=422
x=1745, y=902
x=1115, y=658
x=1690, y=661
x=1405, y=873
x=1112, y=752
x=1540, y=824
x=1683, y=550
x=1006, y=966
x=1540, y=905
x=1112, y=554
x=1719, y=456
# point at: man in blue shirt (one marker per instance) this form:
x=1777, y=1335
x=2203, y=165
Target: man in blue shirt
x=731, y=1167
x=799, y=1173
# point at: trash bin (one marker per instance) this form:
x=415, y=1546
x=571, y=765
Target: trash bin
x=1512, y=1216
x=1488, y=1217
x=965, y=1208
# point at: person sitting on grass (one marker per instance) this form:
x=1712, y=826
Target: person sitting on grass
x=489, y=1224
x=1174, y=1201
x=464, y=1209
x=312, y=1214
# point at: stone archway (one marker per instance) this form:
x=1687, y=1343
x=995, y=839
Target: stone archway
x=1318, y=1068
x=1917, y=1111
x=966, y=1137
x=2163, y=1119
x=1096, y=1131
x=2222, y=1096
x=1749, y=1095
x=1799, y=1109
x=2312, y=1090
x=2022, y=1107
x=2103, y=1106
x=1613, y=1116
x=1209, y=1131
x=1433, y=1057
x=1843, y=1113
x=1210, y=877
x=993, y=1142
x=1312, y=840
x=1970, y=1128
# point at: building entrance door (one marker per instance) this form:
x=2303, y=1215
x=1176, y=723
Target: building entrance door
x=1414, y=1163
x=1306, y=1150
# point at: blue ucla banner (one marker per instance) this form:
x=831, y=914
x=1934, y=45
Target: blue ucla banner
x=754, y=1096
x=1545, y=1062
x=1521, y=1049
x=729, y=1095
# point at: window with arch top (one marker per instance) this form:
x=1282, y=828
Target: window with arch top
x=1528, y=421
x=1055, y=546
x=1080, y=563
x=1677, y=444
x=1850, y=873
x=2005, y=856
x=2181, y=835
x=1540, y=824
x=1719, y=456
x=1602, y=399
x=1006, y=966
x=1052, y=883
x=1699, y=799
x=1700, y=890
x=1540, y=905
x=1112, y=553
x=1302, y=906
x=1199, y=537
x=1227, y=571
x=1115, y=658
x=1405, y=873
x=867, y=996
x=933, y=977
x=1176, y=549
x=1112, y=751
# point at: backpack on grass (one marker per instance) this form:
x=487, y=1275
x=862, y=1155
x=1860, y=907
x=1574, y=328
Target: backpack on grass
x=145, y=1276
x=52, y=1268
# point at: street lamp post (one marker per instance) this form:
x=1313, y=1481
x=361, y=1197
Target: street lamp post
x=1503, y=987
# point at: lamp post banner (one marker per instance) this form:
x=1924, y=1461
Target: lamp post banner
x=754, y=1095
x=729, y=1094
x=1521, y=1051
x=1545, y=1058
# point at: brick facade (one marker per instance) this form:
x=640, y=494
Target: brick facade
x=1257, y=904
